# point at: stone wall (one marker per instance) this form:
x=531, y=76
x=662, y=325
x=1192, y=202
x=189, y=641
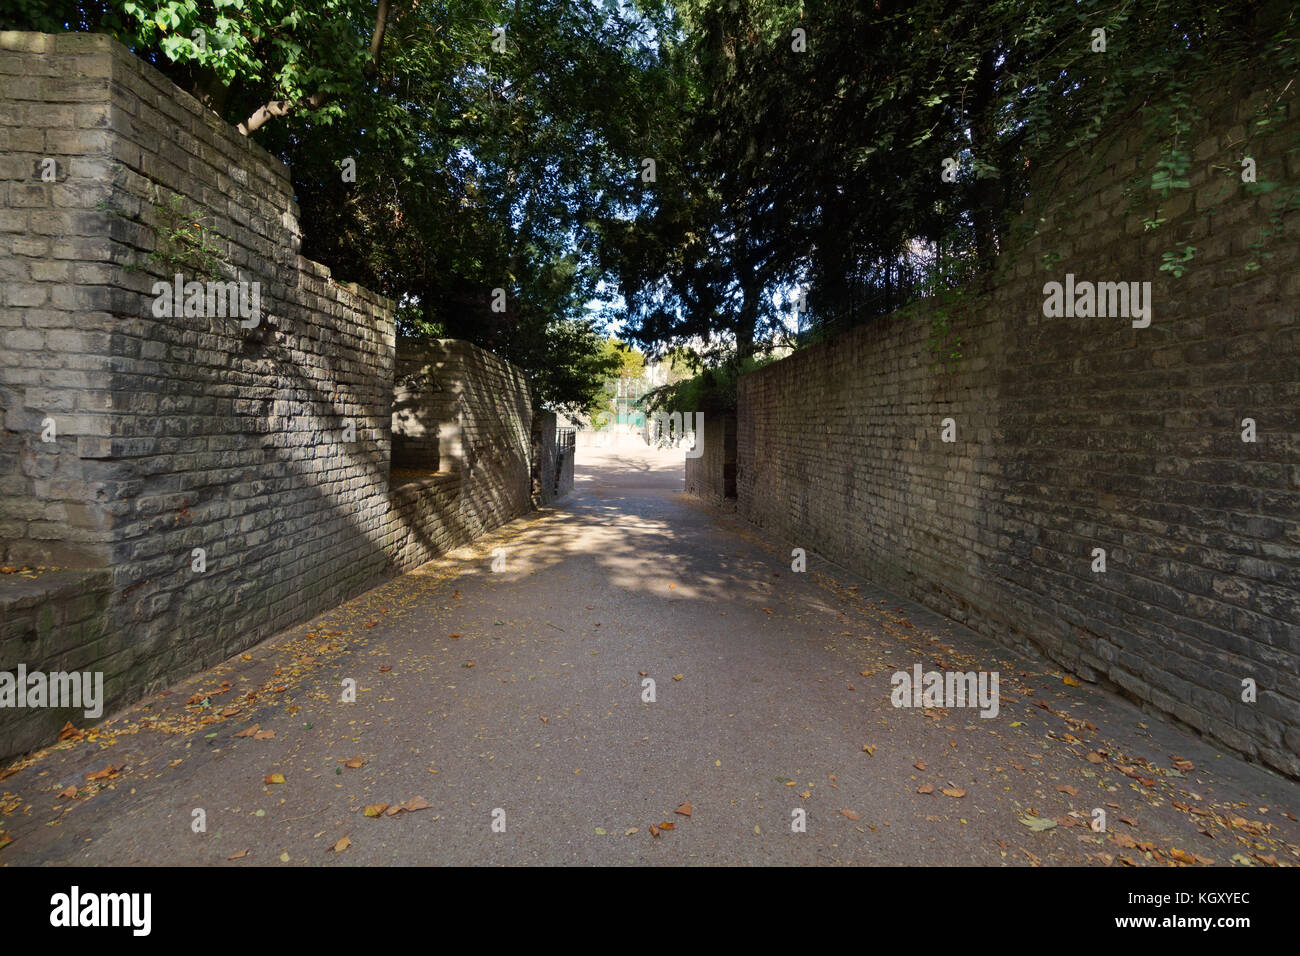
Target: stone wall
x=711, y=475
x=462, y=412
x=1073, y=434
x=231, y=477
x=59, y=619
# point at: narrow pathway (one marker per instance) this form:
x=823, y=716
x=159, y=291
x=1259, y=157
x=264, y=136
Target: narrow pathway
x=520, y=691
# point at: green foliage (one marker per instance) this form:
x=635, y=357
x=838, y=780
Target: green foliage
x=711, y=389
x=944, y=344
x=476, y=168
x=183, y=240
x=822, y=168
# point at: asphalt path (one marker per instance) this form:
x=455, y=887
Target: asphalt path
x=507, y=712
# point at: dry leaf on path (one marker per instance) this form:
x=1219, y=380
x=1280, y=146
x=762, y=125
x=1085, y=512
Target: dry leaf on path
x=1038, y=824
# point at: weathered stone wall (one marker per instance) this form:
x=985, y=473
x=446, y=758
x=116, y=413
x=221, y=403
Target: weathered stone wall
x=711, y=475
x=59, y=619
x=56, y=296
x=268, y=446
x=1081, y=433
x=462, y=412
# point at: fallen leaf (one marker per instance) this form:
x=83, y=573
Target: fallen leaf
x=70, y=732
x=238, y=856
x=1093, y=757
x=684, y=810
x=919, y=765
x=954, y=792
x=374, y=810
x=1182, y=763
x=1038, y=824
x=1071, y=681
x=678, y=676
x=869, y=750
x=356, y=763
x=925, y=788
x=1068, y=789
x=342, y=845
x=264, y=735
x=70, y=792
x=274, y=778
x=654, y=830
x=105, y=774
x=850, y=814
x=247, y=731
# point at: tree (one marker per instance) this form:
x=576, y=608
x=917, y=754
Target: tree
x=489, y=141
x=815, y=132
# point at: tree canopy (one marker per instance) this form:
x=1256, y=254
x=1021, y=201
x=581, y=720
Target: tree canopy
x=704, y=168
x=815, y=134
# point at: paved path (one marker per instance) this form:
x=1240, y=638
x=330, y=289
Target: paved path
x=521, y=690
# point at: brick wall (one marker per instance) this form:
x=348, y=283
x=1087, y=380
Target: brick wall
x=1081, y=433
x=711, y=475
x=268, y=447
x=59, y=619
